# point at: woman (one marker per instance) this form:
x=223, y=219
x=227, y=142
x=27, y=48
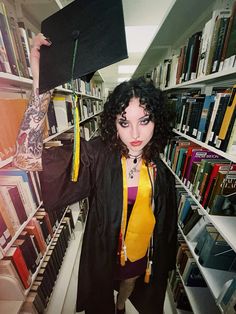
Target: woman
x=130, y=237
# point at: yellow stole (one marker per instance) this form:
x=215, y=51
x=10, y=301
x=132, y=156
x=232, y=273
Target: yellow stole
x=142, y=220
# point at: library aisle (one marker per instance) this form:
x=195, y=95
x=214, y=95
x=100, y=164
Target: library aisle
x=70, y=299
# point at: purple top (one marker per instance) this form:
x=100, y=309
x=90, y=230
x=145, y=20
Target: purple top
x=132, y=193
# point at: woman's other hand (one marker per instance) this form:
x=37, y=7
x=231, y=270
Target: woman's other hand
x=38, y=41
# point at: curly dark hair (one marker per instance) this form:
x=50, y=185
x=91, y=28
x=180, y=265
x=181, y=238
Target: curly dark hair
x=152, y=100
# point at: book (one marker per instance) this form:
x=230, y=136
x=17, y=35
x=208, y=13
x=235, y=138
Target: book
x=213, y=116
x=212, y=36
x=27, y=181
x=52, y=121
x=231, y=146
x=231, y=108
x=60, y=108
x=5, y=236
x=191, y=223
x=216, y=168
x=7, y=268
x=195, y=115
x=216, y=253
x=228, y=53
x=196, y=157
x=219, y=44
x=15, y=255
x=28, y=253
x=16, y=40
x=15, y=220
x=4, y=62
x=218, y=119
x=220, y=19
x=7, y=217
x=11, y=112
x=192, y=276
x=224, y=205
x=32, y=230
x=224, y=184
x=205, y=117
x=202, y=237
x=192, y=58
x=24, y=191
x=25, y=45
x=7, y=39
x=32, y=244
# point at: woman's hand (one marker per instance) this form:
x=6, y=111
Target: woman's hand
x=38, y=41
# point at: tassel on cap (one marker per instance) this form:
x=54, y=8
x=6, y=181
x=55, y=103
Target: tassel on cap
x=76, y=148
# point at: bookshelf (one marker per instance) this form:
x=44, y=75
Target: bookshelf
x=21, y=229
x=184, y=19
x=211, y=148
x=13, y=86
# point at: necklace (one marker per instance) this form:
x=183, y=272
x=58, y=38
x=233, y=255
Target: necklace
x=134, y=169
x=135, y=158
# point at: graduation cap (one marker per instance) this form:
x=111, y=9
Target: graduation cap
x=96, y=26
x=86, y=35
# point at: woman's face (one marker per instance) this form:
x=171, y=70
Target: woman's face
x=134, y=128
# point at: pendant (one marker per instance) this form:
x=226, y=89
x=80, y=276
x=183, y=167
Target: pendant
x=135, y=160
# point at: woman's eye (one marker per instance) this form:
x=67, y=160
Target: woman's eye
x=124, y=124
x=145, y=121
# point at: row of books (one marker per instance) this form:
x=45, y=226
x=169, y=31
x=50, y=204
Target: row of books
x=16, y=264
x=20, y=196
x=209, y=177
x=188, y=214
x=213, y=250
x=15, y=42
x=60, y=113
x=90, y=128
x=89, y=107
x=179, y=294
x=87, y=130
x=209, y=119
x=187, y=267
x=92, y=88
x=207, y=51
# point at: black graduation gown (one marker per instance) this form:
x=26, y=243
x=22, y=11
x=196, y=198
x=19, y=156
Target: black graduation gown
x=100, y=179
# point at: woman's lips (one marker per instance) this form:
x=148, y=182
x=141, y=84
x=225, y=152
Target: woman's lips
x=136, y=143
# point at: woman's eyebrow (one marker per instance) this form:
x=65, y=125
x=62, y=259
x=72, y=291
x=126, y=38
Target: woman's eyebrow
x=145, y=116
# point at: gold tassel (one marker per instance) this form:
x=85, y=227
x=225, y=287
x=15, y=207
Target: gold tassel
x=148, y=272
x=147, y=276
x=122, y=258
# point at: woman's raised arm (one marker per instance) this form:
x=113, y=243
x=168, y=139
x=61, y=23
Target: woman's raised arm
x=29, y=144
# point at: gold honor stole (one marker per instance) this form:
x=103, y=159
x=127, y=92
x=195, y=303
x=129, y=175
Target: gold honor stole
x=142, y=220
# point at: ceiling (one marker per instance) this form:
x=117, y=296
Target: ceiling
x=136, y=13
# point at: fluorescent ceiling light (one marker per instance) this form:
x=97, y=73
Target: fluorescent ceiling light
x=139, y=37
x=122, y=79
x=127, y=68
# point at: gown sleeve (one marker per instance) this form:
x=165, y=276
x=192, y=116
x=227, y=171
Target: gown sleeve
x=57, y=189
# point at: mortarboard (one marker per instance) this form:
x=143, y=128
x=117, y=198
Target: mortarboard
x=99, y=26
x=86, y=35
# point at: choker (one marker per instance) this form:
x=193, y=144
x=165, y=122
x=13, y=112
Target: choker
x=135, y=158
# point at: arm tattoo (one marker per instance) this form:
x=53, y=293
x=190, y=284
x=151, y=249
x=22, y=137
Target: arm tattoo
x=29, y=144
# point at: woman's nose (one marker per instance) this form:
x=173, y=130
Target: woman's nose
x=135, y=132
